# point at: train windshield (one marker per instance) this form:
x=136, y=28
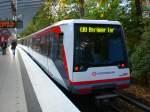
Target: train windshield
x=98, y=45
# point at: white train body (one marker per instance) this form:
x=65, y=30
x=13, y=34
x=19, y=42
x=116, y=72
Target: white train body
x=83, y=56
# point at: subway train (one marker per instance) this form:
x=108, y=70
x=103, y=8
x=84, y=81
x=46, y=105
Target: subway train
x=83, y=56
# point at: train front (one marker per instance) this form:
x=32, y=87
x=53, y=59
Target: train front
x=100, y=60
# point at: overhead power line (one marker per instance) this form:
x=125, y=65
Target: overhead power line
x=28, y=5
x=33, y=1
x=5, y=5
x=6, y=1
x=6, y=8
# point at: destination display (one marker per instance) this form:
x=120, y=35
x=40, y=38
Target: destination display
x=11, y=24
x=90, y=29
x=7, y=24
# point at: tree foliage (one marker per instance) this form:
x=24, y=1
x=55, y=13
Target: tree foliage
x=141, y=57
x=43, y=18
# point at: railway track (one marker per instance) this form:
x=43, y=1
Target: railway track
x=115, y=108
x=134, y=101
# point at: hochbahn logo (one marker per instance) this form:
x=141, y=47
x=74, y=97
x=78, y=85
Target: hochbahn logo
x=93, y=74
x=102, y=73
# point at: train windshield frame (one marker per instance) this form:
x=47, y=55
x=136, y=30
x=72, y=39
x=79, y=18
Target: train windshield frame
x=97, y=45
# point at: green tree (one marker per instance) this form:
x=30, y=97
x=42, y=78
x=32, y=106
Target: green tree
x=138, y=6
x=141, y=57
x=42, y=19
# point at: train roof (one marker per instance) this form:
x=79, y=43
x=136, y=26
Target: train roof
x=87, y=21
x=71, y=21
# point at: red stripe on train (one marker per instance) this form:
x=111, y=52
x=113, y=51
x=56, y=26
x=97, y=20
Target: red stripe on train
x=98, y=81
x=87, y=90
x=65, y=62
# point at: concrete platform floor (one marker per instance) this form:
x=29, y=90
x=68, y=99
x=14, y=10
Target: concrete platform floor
x=12, y=96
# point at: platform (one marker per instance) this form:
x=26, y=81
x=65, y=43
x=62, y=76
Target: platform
x=12, y=97
x=24, y=87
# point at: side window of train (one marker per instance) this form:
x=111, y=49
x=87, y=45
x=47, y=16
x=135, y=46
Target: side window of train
x=25, y=42
x=48, y=44
x=36, y=43
x=43, y=45
x=51, y=45
x=54, y=46
x=33, y=42
x=60, y=44
x=30, y=42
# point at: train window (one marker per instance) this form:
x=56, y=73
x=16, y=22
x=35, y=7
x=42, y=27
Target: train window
x=43, y=45
x=30, y=43
x=22, y=41
x=25, y=42
x=48, y=44
x=35, y=44
x=60, y=43
x=54, y=47
x=97, y=45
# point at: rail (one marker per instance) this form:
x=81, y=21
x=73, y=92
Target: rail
x=132, y=100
